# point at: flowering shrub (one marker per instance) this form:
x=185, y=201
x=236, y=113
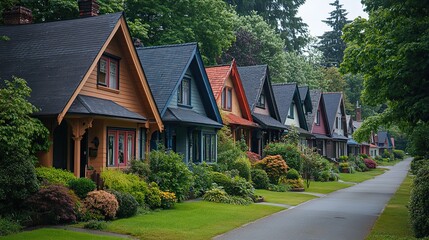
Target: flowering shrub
x=290, y=153
x=253, y=157
x=274, y=166
x=53, y=204
x=101, y=204
x=371, y=164
x=168, y=199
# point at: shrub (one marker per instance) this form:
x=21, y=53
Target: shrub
x=168, y=200
x=344, y=158
x=371, y=164
x=95, y=225
x=398, y=154
x=417, y=164
x=227, y=151
x=153, y=196
x=419, y=204
x=139, y=168
x=127, y=204
x=240, y=187
x=278, y=188
x=216, y=194
x=386, y=154
x=289, y=152
x=82, y=186
x=253, y=157
x=54, y=175
x=101, y=204
x=8, y=227
x=359, y=164
x=202, y=178
x=323, y=176
x=170, y=173
x=221, y=179
x=295, y=183
x=128, y=183
x=292, y=174
x=53, y=204
x=260, y=179
x=274, y=166
x=242, y=164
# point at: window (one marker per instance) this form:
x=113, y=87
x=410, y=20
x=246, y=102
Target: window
x=336, y=122
x=209, y=147
x=261, y=101
x=120, y=147
x=184, y=92
x=318, y=117
x=108, y=73
x=227, y=98
x=291, y=111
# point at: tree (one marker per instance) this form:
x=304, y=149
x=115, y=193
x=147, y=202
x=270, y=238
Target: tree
x=331, y=43
x=21, y=137
x=390, y=50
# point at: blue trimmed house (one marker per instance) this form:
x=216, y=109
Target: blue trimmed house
x=185, y=100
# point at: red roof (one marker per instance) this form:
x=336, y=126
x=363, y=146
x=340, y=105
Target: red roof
x=236, y=120
x=217, y=76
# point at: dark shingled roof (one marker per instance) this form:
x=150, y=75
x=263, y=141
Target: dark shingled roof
x=253, y=79
x=315, y=100
x=332, y=101
x=188, y=116
x=284, y=93
x=267, y=122
x=304, y=93
x=53, y=57
x=96, y=106
x=164, y=67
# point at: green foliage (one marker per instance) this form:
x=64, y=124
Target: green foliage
x=216, y=194
x=82, y=186
x=53, y=204
x=398, y=154
x=293, y=174
x=419, y=140
x=54, y=175
x=153, y=196
x=168, y=200
x=127, y=204
x=221, y=179
x=419, y=204
x=53, y=10
x=21, y=137
x=289, y=152
x=202, y=178
x=359, y=164
x=295, y=184
x=170, y=173
x=242, y=164
x=8, y=227
x=127, y=183
x=227, y=151
x=274, y=166
x=417, y=164
x=260, y=179
x=236, y=186
x=139, y=168
x=95, y=225
x=278, y=188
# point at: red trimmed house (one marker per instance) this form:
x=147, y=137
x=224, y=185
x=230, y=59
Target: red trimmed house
x=231, y=99
x=318, y=123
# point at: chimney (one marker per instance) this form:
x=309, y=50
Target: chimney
x=88, y=8
x=358, y=112
x=17, y=15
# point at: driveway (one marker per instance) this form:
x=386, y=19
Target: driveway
x=346, y=214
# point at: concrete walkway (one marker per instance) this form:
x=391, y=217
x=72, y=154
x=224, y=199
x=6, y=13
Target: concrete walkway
x=345, y=214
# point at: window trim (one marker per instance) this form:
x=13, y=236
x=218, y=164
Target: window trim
x=116, y=132
x=108, y=58
x=261, y=101
x=291, y=113
x=318, y=118
x=213, y=146
x=226, y=96
x=180, y=91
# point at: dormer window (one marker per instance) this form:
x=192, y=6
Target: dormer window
x=291, y=111
x=261, y=101
x=318, y=117
x=227, y=98
x=184, y=92
x=108, y=72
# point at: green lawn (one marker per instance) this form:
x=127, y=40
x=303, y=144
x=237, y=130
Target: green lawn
x=358, y=177
x=56, y=234
x=289, y=198
x=394, y=223
x=390, y=163
x=191, y=220
x=326, y=187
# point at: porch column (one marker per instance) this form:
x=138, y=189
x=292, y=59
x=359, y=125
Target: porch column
x=79, y=127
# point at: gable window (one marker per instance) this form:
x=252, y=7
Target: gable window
x=291, y=111
x=261, y=101
x=108, y=72
x=227, y=98
x=121, y=147
x=318, y=117
x=336, y=122
x=209, y=147
x=184, y=92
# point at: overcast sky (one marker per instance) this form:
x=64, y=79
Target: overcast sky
x=314, y=11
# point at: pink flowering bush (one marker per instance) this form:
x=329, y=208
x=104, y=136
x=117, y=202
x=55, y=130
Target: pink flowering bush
x=371, y=164
x=101, y=205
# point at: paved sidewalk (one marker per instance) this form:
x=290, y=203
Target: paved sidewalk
x=345, y=214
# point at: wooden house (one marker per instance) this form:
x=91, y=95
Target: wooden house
x=88, y=83
x=231, y=100
x=317, y=122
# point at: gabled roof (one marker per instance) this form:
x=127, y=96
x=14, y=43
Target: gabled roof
x=285, y=93
x=304, y=93
x=332, y=103
x=54, y=57
x=255, y=79
x=187, y=116
x=382, y=137
x=165, y=66
x=315, y=100
x=218, y=76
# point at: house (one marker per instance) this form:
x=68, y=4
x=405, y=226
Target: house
x=231, y=99
x=353, y=147
x=364, y=146
x=384, y=142
x=88, y=83
x=292, y=110
x=185, y=100
x=257, y=86
x=318, y=123
x=336, y=115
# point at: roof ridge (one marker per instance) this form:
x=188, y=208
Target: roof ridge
x=219, y=65
x=259, y=65
x=82, y=101
x=172, y=112
x=285, y=83
x=168, y=45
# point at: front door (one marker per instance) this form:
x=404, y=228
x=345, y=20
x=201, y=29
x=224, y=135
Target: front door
x=83, y=153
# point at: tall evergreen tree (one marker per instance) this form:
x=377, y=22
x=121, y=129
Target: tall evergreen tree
x=331, y=44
